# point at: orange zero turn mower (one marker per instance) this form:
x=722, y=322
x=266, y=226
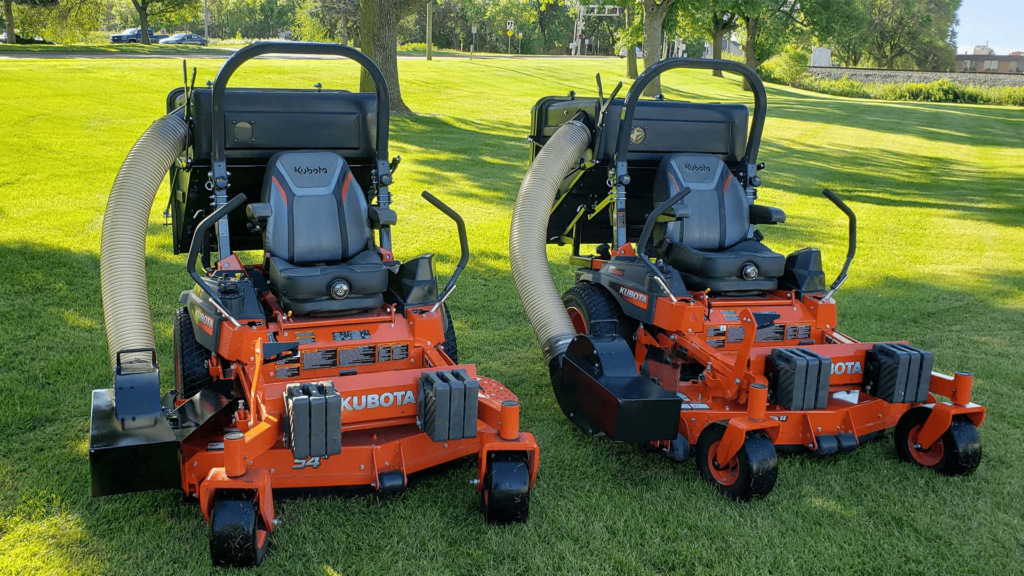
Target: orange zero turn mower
x=684, y=332
x=328, y=363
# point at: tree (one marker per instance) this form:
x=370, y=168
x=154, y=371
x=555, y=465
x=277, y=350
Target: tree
x=147, y=8
x=714, y=19
x=64, y=21
x=9, y=14
x=842, y=25
x=378, y=39
x=654, y=12
x=912, y=32
x=767, y=26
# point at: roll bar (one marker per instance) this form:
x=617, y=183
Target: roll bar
x=308, y=48
x=463, y=244
x=633, y=96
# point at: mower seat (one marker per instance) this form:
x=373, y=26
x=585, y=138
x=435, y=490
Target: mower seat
x=320, y=256
x=714, y=246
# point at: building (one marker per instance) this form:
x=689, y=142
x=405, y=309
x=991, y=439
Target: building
x=821, y=57
x=1012, y=63
x=983, y=50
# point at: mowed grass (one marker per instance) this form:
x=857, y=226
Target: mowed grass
x=938, y=193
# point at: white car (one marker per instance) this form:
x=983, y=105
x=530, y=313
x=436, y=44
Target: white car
x=639, y=53
x=185, y=38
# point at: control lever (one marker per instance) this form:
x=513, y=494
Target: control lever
x=852, y=250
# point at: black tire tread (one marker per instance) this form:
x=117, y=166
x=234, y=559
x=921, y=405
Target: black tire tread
x=234, y=520
x=192, y=373
x=450, y=344
x=961, y=443
x=757, y=458
x=597, y=304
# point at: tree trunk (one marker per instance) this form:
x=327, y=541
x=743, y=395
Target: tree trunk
x=631, y=71
x=144, y=25
x=343, y=28
x=716, y=48
x=750, y=47
x=9, y=21
x=378, y=38
x=654, y=16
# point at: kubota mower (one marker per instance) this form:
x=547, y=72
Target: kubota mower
x=329, y=363
x=684, y=332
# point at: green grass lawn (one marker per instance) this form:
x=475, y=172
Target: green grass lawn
x=109, y=49
x=938, y=193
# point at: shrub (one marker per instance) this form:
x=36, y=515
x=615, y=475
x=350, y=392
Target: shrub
x=943, y=90
x=786, y=68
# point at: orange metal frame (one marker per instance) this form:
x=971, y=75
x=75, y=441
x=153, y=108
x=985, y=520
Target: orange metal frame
x=379, y=428
x=734, y=386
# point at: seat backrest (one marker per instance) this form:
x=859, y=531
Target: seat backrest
x=319, y=211
x=719, y=211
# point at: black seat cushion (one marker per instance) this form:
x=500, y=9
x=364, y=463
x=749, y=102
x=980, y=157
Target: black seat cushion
x=319, y=231
x=711, y=246
x=700, y=269
x=305, y=290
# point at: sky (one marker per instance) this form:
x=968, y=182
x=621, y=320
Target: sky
x=998, y=22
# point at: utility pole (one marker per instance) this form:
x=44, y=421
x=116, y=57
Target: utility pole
x=206, y=20
x=430, y=29
x=472, y=46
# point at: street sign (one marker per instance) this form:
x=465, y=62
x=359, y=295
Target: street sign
x=520, y=35
x=510, y=24
x=474, y=29
x=510, y=33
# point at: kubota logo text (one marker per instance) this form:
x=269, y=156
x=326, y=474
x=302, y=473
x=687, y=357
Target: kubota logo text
x=840, y=368
x=371, y=401
x=304, y=170
x=633, y=297
x=204, y=321
x=697, y=167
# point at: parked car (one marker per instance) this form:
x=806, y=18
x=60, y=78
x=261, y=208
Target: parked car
x=639, y=53
x=18, y=39
x=134, y=36
x=185, y=38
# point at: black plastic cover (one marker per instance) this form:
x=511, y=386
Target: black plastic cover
x=898, y=373
x=798, y=378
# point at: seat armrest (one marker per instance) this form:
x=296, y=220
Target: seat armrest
x=258, y=212
x=675, y=213
x=766, y=215
x=381, y=217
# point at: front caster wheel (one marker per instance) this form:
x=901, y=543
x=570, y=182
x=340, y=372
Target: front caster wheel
x=751, y=473
x=678, y=450
x=956, y=453
x=505, y=497
x=238, y=536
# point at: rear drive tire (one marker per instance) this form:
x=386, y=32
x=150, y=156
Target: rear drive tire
x=191, y=359
x=751, y=473
x=238, y=536
x=956, y=453
x=505, y=497
x=594, y=311
x=450, y=345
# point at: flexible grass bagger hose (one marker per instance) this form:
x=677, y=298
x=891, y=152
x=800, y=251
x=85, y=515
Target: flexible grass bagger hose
x=527, y=242
x=126, y=311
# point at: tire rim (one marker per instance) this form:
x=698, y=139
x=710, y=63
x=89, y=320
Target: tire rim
x=729, y=474
x=579, y=323
x=928, y=458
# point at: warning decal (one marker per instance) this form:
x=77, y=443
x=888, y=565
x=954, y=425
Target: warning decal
x=305, y=337
x=357, y=356
x=798, y=331
x=319, y=359
x=389, y=352
x=351, y=335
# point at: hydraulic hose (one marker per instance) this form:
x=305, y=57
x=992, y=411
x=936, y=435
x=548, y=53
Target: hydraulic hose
x=527, y=242
x=126, y=313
